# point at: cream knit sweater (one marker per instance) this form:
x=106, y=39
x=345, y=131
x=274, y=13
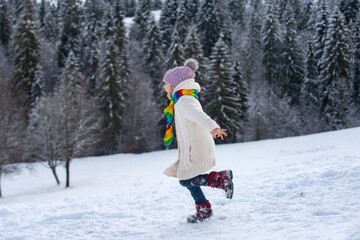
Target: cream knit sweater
x=193, y=132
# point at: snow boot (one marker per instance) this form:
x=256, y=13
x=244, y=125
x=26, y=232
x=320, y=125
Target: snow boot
x=222, y=180
x=203, y=211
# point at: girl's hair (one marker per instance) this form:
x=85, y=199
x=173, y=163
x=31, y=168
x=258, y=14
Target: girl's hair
x=171, y=90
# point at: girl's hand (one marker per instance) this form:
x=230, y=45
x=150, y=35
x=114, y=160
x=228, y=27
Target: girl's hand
x=217, y=132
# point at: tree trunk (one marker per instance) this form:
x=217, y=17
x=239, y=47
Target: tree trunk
x=67, y=173
x=53, y=169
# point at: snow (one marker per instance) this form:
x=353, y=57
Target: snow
x=304, y=187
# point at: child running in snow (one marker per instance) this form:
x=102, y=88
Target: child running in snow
x=195, y=131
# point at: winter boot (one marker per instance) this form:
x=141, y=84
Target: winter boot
x=203, y=211
x=222, y=180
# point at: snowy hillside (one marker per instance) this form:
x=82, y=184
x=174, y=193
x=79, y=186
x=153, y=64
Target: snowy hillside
x=294, y=188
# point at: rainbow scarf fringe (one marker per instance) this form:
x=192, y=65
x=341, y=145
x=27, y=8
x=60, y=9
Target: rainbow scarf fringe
x=169, y=112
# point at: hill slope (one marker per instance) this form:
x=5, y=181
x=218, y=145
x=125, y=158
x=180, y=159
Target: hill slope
x=293, y=188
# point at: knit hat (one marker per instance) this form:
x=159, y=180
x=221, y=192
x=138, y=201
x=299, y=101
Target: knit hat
x=180, y=74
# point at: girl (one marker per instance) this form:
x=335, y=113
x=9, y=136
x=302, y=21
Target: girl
x=195, y=132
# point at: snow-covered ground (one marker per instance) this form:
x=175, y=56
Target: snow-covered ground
x=294, y=188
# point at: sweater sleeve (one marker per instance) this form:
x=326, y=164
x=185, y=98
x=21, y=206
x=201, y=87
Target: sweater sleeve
x=193, y=112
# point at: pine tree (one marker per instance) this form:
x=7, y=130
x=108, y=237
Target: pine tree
x=93, y=15
x=5, y=27
x=311, y=92
x=110, y=90
x=321, y=28
x=50, y=28
x=225, y=22
x=70, y=30
x=120, y=30
x=156, y=5
x=272, y=48
x=222, y=100
x=167, y=22
x=350, y=9
x=306, y=15
x=153, y=55
x=256, y=4
x=254, y=50
x=182, y=22
x=237, y=11
x=175, y=55
x=294, y=68
x=121, y=42
x=335, y=74
x=192, y=10
x=142, y=18
x=27, y=57
x=356, y=65
x=193, y=49
x=242, y=93
x=208, y=25
x=130, y=8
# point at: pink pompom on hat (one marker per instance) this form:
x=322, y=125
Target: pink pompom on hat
x=180, y=74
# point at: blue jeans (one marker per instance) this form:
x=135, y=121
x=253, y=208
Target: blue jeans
x=194, y=185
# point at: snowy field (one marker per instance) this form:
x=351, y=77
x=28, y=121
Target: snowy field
x=295, y=188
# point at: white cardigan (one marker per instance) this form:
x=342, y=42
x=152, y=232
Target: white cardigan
x=193, y=132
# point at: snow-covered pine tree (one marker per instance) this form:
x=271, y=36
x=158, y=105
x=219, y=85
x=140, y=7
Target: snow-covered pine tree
x=70, y=30
x=43, y=8
x=335, y=75
x=295, y=5
x=130, y=8
x=192, y=10
x=310, y=100
x=356, y=62
x=208, y=25
x=79, y=119
x=306, y=15
x=93, y=16
x=182, y=22
x=242, y=93
x=193, y=49
x=120, y=30
x=253, y=70
x=321, y=29
x=255, y=4
x=222, y=98
x=167, y=22
x=50, y=29
x=37, y=87
x=237, y=11
x=5, y=27
x=272, y=48
x=294, y=64
x=226, y=25
x=27, y=58
x=153, y=55
x=350, y=9
x=156, y=5
x=110, y=89
x=175, y=54
x=142, y=18
x=121, y=42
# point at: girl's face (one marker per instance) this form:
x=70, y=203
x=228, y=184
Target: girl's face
x=168, y=89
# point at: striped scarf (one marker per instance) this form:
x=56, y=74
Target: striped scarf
x=169, y=112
